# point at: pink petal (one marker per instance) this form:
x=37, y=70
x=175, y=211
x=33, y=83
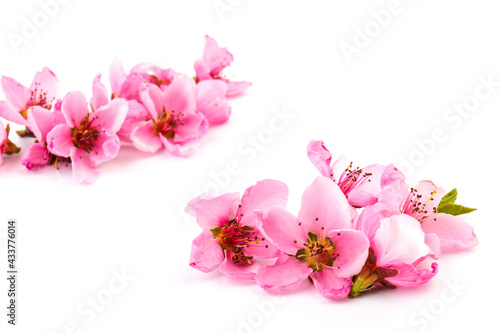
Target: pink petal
x=241, y=270
x=35, y=156
x=46, y=82
x=215, y=57
x=137, y=113
x=9, y=112
x=202, y=70
x=16, y=93
x=399, y=240
x=237, y=88
x=206, y=253
x=433, y=242
x=320, y=157
x=152, y=98
x=330, y=285
x=285, y=275
x=211, y=101
x=426, y=188
x=60, y=141
x=131, y=88
x=110, y=117
x=179, y=149
x=180, y=96
x=392, y=177
x=263, y=196
x=453, y=232
x=144, y=138
x=193, y=127
x=351, y=246
x=369, y=220
x=264, y=249
x=74, y=108
x=106, y=148
x=117, y=76
x=409, y=276
x=324, y=205
x=41, y=122
x=84, y=168
x=212, y=212
x=366, y=193
x=283, y=230
x=99, y=94
x=3, y=136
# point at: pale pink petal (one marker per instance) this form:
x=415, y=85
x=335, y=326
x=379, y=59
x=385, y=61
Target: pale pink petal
x=106, y=148
x=237, y=88
x=211, y=101
x=152, y=98
x=74, y=108
x=282, y=228
x=240, y=270
x=99, y=94
x=369, y=220
x=206, y=253
x=453, y=232
x=320, y=157
x=215, y=57
x=193, y=127
x=324, y=206
x=433, y=242
x=431, y=196
x=212, y=212
x=392, y=197
x=180, y=96
x=330, y=285
x=399, y=240
x=9, y=112
x=392, y=177
x=202, y=70
x=144, y=138
x=84, y=169
x=110, y=117
x=117, y=76
x=263, y=196
x=285, y=275
x=41, y=122
x=137, y=113
x=60, y=141
x=179, y=149
x=366, y=192
x=16, y=93
x=46, y=83
x=264, y=248
x=410, y=276
x=351, y=246
x=35, y=156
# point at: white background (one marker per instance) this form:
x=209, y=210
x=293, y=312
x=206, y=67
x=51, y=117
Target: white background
x=393, y=93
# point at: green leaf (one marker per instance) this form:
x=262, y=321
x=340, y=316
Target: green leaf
x=454, y=209
x=449, y=198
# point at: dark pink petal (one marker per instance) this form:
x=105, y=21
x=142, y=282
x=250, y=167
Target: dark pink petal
x=117, y=76
x=206, y=253
x=263, y=196
x=74, y=108
x=453, y=232
x=193, y=127
x=212, y=212
x=35, y=156
x=180, y=96
x=399, y=240
x=241, y=270
x=285, y=275
x=136, y=114
x=110, y=117
x=99, y=94
x=211, y=101
x=369, y=220
x=47, y=83
x=9, y=112
x=351, y=246
x=60, y=141
x=215, y=57
x=237, y=88
x=144, y=138
x=324, y=206
x=330, y=285
x=282, y=228
x=16, y=93
x=410, y=276
x=40, y=122
x=84, y=168
x=106, y=148
x=320, y=157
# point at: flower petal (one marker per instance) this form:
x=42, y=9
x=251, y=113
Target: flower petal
x=453, y=232
x=74, y=108
x=212, y=212
x=285, y=275
x=211, y=101
x=144, y=138
x=40, y=122
x=366, y=193
x=215, y=57
x=35, y=156
x=241, y=270
x=180, y=96
x=330, y=285
x=46, y=83
x=369, y=220
x=84, y=168
x=9, y=112
x=99, y=94
x=409, y=276
x=136, y=113
x=351, y=246
x=105, y=148
x=110, y=117
x=237, y=88
x=117, y=76
x=320, y=157
x=60, y=141
x=206, y=253
x=16, y=93
x=194, y=126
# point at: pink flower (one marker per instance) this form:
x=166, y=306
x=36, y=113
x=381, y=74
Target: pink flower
x=422, y=203
x=43, y=91
x=88, y=138
x=6, y=146
x=360, y=186
x=41, y=121
x=214, y=60
x=319, y=244
x=230, y=238
x=398, y=251
x=173, y=121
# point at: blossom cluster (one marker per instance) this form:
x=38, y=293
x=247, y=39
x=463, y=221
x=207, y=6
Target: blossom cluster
x=149, y=107
x=357, y=228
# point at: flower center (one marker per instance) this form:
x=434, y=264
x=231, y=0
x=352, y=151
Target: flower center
x=318, y=253
x=85, y=135
x=166, y=123
x=352, y=177
x=38, y=98
x=414, y=205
